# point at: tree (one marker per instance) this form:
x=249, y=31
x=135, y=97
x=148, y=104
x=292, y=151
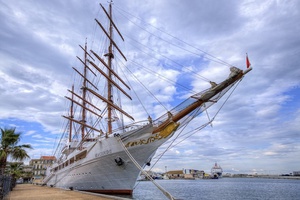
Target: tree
x=15, y=169
x=9, y=139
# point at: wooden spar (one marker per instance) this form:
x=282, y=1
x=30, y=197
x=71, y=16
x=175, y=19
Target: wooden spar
x=85, y=78
x=71, y=115
x=84, y=107
x=100, y=59
x=110, y=56
x=87, y=53
x=205, y=97
x=109, y=37
x=112, y=71
x=110, y=103
x=112, y=22
x=86, y=66
x=81, y=123
x=110, y=80
x=84, y=100
x=83, y=114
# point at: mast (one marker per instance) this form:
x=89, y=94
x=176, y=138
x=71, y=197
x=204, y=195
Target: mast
x=84, y=88
x=110, y=56
x=91, y=88
x=88, y=87
x=71, y=115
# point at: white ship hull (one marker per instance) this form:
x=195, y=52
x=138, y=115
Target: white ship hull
x=216, y=171
x=99, y=172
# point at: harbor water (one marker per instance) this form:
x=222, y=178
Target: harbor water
x=222, y=189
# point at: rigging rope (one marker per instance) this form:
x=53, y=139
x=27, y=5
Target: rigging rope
x=215, y=59
x=166, y=193
x=141, y=103
x=170, y=145
x=196, y=129
x=202, y=77
x=164, y=78
x=147, y=89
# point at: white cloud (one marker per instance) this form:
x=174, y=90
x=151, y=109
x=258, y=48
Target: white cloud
x=28, y=133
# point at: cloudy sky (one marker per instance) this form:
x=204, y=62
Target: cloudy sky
x=258, y=130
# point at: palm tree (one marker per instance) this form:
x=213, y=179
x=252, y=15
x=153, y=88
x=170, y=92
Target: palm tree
x=9, y=139
x=15, y=169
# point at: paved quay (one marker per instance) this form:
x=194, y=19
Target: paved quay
x=36, y=192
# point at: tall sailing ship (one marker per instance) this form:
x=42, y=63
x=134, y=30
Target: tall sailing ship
x=106, y=148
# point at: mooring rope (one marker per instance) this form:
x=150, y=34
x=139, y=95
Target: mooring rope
x=166, y=193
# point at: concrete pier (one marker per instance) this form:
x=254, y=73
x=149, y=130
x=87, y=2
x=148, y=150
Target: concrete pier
x=36, y=192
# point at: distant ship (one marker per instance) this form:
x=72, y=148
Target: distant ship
x=216, y=171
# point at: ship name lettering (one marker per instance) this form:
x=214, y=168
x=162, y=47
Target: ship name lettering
x=103, y=153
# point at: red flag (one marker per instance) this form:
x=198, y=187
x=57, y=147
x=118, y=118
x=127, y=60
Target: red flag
x=247, y=61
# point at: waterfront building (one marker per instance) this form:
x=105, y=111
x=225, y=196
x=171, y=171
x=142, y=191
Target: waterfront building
x=27, y=173
x=39, y=167
x=193, y=174
x=175, y=174
x=184, y=174
x=296, y=173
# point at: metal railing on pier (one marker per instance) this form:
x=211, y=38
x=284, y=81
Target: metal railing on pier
x=6, y=185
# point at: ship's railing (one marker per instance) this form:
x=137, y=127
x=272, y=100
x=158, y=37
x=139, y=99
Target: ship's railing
x=138, y=125
x=131, y=127
x=192, y=99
